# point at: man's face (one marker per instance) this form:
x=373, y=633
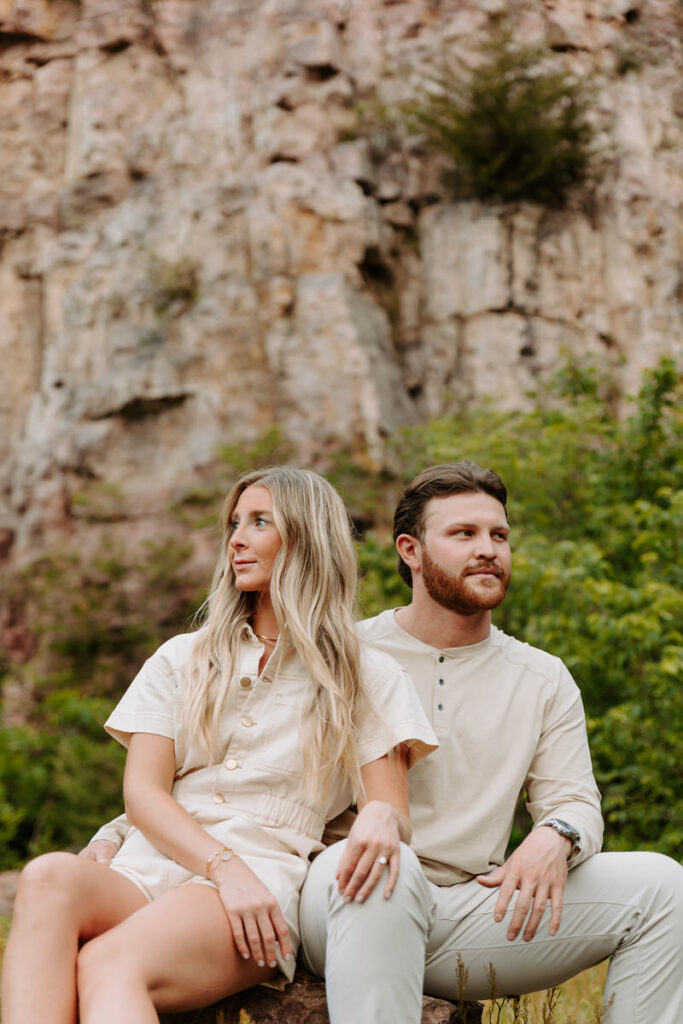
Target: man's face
x=465, y=552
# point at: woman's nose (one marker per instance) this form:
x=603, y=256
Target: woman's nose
x=236, y=538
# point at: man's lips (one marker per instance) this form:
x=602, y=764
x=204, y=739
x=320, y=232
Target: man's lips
x=488, y=571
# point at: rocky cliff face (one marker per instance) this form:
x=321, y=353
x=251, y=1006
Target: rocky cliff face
x=189, y=254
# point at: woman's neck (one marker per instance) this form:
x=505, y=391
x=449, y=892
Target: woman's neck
x=263, y=621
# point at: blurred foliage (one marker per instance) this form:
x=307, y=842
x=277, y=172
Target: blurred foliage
x=95, y=618
x=596, y=508
x=174, y=287
x=512, y=128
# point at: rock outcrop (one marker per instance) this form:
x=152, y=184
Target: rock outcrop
x=196, y=242
x=303, y=1002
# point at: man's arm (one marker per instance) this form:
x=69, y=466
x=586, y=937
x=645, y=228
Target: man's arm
x=559, y=784
x=107, y=840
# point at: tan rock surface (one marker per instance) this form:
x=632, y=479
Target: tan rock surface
x=192, y=247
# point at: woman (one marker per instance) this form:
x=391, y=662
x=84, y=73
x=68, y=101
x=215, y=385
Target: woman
x=243, y=738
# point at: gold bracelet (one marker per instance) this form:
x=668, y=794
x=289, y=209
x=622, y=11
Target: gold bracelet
x=222, y=853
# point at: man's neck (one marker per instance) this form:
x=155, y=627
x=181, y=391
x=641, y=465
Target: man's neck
x=440, y=627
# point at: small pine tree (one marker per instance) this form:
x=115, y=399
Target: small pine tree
x=512, y=130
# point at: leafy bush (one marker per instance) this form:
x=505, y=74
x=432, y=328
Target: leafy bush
x=512, y=129
x=58, y=782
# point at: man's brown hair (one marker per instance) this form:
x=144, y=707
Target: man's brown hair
x=440, y=482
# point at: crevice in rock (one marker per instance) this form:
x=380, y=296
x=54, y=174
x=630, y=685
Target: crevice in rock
x=116, y=46
x=9, y=39
x=141, y=408
x=321, y=73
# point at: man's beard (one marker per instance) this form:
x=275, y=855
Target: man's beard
x=456, y=594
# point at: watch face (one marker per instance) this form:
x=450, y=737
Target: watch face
x=564, y=829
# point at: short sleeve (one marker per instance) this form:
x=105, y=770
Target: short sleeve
x=147, y=705
x=393, y=714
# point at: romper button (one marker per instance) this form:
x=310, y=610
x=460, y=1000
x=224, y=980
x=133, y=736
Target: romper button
x=248, y=721
x=231, y=764
x=218, y=798
x=440, y=706
x=245, y=681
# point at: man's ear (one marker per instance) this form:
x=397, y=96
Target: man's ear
x=410, y=550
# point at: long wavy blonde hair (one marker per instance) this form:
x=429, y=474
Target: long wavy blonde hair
x=312, y=589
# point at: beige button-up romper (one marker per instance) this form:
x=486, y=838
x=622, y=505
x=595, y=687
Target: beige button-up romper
x=252, y=801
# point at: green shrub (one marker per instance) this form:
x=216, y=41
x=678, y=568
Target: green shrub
x=512, y=129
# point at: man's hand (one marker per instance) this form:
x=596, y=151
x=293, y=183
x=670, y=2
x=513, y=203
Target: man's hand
x=538, y=868
x=101, y=850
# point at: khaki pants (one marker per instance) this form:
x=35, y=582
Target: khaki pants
x=378, y=957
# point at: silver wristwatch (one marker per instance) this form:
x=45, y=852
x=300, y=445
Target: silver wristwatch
x=566, y=830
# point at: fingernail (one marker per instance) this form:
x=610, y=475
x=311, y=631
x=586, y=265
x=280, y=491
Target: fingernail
x=261, y=963
x=359, y=899
x=498, y=917
x=288, y=957
x=245, y=955
x=347, y=899
x=273, y=963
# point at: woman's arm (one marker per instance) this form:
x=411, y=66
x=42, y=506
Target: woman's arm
x=383, y=822
x=255, y=917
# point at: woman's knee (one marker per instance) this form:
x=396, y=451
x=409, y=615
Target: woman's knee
x=49, y=880
x=105, y=961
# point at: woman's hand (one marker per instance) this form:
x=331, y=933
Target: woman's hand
x=102, y=851
x=255, y=917
x=372, y=846
x=383, y=822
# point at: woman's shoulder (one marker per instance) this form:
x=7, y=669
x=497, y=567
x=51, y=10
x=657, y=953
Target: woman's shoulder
x=379, y=667
x=175, y=652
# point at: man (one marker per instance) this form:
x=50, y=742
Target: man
x=509, y=718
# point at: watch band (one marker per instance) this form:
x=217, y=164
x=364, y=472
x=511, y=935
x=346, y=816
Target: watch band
x=563, y=828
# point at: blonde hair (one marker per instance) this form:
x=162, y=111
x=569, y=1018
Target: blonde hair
x=312, y=589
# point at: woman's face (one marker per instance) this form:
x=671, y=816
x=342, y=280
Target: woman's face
x=254, y=541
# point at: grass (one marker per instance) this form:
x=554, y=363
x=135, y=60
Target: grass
x=578, y=1001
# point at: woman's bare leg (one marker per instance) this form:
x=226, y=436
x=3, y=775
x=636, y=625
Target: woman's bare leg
x=176, y=954
x=61, y=900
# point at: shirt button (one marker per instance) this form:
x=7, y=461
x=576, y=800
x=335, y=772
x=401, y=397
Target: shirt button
x=441, y=682
x=245, y=682
x=218, y=798
x=440, y=707
x=231, y=764
x=441, y=657
x=248, y=721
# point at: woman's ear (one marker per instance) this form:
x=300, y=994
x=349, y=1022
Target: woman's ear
x=410, y=550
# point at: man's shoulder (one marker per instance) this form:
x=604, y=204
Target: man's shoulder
x=376, y=627
x=533, y=659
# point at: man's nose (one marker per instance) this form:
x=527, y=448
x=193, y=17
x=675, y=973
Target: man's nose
x=484, y=547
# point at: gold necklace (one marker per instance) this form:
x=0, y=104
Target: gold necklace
x=266, y=639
